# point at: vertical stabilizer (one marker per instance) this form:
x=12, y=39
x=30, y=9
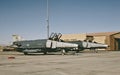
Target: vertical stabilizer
x=17, y=38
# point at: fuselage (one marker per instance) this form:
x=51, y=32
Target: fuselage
x=43, y=44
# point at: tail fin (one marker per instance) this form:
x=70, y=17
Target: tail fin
x=17, y=38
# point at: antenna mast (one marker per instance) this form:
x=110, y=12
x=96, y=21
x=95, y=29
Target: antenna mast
x=47, y=19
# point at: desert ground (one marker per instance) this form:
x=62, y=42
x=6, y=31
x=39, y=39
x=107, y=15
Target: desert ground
x=85, y=63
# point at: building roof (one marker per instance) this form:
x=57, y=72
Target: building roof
x=102, y=34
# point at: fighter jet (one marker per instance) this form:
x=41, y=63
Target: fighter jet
x=82, y=45
x=54, y=44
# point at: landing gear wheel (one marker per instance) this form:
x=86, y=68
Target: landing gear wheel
x=25, y=53
x=63, y=52
x=45, y=52
x=77, y=51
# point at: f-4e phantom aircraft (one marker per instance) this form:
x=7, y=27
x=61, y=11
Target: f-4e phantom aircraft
x=54, y=44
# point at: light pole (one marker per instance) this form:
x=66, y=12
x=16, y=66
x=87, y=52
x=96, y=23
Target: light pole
x=47, y=19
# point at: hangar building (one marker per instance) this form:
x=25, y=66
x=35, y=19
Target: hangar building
x=110, y=38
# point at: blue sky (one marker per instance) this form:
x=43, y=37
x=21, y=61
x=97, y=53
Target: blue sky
x=28, y=17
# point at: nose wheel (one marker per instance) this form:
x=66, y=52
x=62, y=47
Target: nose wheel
x=63, y=51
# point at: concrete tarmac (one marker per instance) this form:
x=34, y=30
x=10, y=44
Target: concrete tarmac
x=101, y=63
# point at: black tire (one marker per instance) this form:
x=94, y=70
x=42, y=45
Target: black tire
x=45, y=52
x=25, y=53
x=78, y=51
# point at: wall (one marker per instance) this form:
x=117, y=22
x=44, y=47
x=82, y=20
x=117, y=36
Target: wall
x=73, y=37
x=100, y=39
x=117, y=35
